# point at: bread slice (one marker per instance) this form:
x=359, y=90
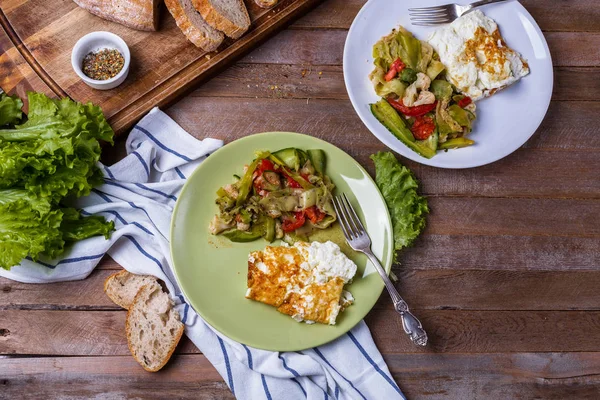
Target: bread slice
x=122, y=287
x=153, y=327
x=229, y=16
x=193, y=26
x=137, y=14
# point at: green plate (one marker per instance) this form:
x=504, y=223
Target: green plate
x=211, y=271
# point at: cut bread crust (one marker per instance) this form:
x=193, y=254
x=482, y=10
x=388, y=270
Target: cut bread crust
x=229, y=16
x=122, y=287
x=137, y=14
x=153, y=328
x=193, y=26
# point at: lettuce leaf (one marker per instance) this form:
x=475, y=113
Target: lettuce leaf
x=398, y=186
x=10, y=109
x=28, y=226
x=44, y=161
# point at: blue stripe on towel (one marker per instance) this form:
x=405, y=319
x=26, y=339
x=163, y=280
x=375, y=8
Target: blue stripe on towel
x=331, y=366
x=249, y=356
x=121, y=219
x=162, y=146
x=370, y=360
x=67, y=260
x=264, y=382
x=227, y=366
x=185, y=311
x=293, y=371
x=181, y=175
x=135, y=153
x=107, y=170
x=168, y=196
x=141, y=250
x=337, y=391
x=102, y=195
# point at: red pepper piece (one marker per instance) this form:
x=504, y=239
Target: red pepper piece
x=465, y=101
x=291, y=224
x=423, y=127
x=314, y=214
x=416, y=111
x=396, y=67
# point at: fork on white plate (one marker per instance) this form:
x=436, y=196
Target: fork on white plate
x=437, y=15
x=358, y=238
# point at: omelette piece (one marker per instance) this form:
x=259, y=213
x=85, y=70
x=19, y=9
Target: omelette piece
x=304, y=281
x=478, y=61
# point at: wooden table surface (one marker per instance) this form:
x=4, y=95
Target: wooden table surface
x=505, y=279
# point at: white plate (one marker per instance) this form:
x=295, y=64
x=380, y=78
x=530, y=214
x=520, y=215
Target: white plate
x=504, y=122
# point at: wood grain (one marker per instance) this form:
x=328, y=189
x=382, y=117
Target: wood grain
x=23, y=78
x=568, y=125
x=325, y=47
x=551, y=15
x=424, y=288
x=489, y=252
x=118, y=377
x=420, y=376
x=286, y=81
x=79, y=333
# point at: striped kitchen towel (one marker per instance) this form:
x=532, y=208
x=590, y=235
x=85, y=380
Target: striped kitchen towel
x=139, y=193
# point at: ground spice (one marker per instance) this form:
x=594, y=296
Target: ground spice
x=103, y=65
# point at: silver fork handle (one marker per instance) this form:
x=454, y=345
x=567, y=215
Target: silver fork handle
x=483, y=3
x=412, y=326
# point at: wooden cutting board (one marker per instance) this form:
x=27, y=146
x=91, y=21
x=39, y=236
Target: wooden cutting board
x=37, y=37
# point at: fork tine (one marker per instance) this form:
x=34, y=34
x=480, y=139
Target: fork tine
x=353, y=214
x=342, y=219
x=427, y=13
x=346, y=205
x=430, y=23
x=441, y=18
x=434, y=8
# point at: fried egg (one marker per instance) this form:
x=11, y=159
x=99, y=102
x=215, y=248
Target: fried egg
x=304, y=281
x=478, y=61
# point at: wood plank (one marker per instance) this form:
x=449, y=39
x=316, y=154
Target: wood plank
x=23, y=78
x=568, y=125
x=283, y=81
x=424, y=288
x=487, y=252
x=452, y=331
x=513, y=216
x=87, y=294
x=432, y=376
x=69, y=333
x=118, y=377
x=326, y=47
x=555, y=376
x=572, y=15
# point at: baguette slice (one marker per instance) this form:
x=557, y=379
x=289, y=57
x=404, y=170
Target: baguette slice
x=193, y=26
x=153, y=328
x=142, y=15
x=122, y=287
x=229, y=16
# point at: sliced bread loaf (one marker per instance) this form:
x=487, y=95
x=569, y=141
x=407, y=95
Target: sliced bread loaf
x=122, y=287
x=193, y=26
x=137, y=14
x=229, y=16
x=153, y=327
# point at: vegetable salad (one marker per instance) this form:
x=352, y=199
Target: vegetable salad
x=419, y=106
x=281, y=195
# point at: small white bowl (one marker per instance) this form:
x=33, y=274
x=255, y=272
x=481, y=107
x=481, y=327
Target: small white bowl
x=93, y=42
